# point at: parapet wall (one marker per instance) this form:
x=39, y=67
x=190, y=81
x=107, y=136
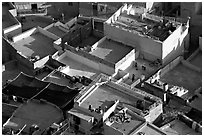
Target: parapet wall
x=149, y=48
x=91, y=60
x=24, y=34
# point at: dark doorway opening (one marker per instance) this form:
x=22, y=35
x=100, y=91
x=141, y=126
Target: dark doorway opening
x=34, y=6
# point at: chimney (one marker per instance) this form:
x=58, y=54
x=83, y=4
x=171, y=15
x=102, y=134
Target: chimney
x=90, y=107
x=165, y=87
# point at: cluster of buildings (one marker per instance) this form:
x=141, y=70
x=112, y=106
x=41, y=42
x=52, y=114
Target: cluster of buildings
x=112, y=69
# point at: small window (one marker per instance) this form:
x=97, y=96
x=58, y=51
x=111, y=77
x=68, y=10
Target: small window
x=70, y=3
x=94, y=6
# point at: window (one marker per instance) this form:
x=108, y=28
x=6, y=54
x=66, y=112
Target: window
x=70, y=3
x=94, y=6
x=34, y=6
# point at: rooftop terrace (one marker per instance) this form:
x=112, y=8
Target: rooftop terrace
x=35, y=44
x=105, y=95
x=34, y=112
x=77, y=69
x=136, y=69
x=111, y=51
x=126, y=127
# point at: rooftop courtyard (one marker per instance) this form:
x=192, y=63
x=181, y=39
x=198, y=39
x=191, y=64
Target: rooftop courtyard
x=111, y=51
x=36, y=44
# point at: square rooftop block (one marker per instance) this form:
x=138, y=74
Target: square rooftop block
x=111, y=51
x=36, y=44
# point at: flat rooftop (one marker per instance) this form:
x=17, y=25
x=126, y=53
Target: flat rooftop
x=183, y=76
x=177, y=127
x=7, y=19
x=197, y=60
x=55, y=30
x=36, y=44
x=105, y=95
x=78, y=69
x=34, y=21
x=111, y=51
x=33, y=112
x=89, y=41
x=138, y=71
x=136, y=24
